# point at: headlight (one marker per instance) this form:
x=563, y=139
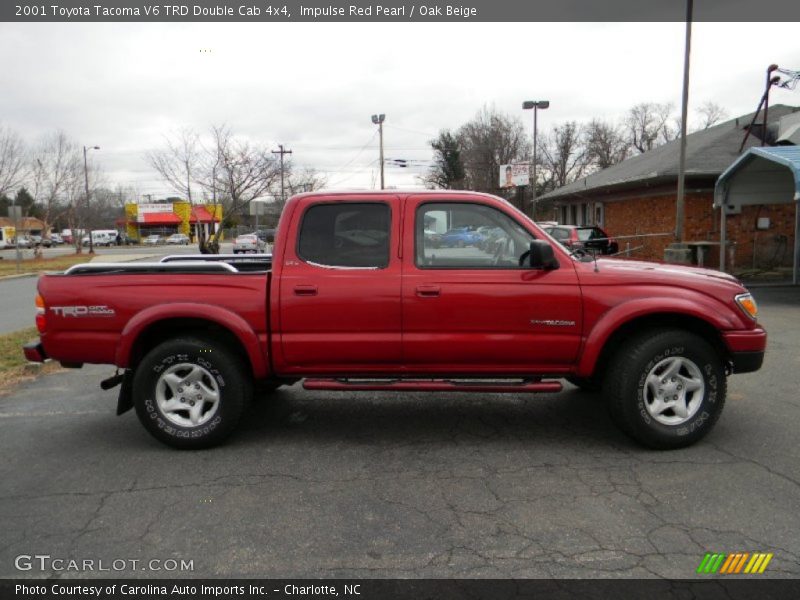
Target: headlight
x=748, y=304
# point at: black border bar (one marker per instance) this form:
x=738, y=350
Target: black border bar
x=400, y=11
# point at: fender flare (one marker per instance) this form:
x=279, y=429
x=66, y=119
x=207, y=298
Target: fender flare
x=698, y=306
x=183, y=310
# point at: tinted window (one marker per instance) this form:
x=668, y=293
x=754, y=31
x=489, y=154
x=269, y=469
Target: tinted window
x=468, y=236
x=590, y=233
x=346, y=235
x=559, y=234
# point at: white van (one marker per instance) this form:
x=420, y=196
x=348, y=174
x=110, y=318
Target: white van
x=101, y=237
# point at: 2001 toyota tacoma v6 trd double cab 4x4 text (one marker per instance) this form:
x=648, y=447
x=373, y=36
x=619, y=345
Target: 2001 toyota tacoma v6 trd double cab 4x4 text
x=360, y=295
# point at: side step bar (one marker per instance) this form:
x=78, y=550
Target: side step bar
x=432, y=385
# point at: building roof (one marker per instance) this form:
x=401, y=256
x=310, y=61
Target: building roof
x=201, y=214
x=25, y=223
x=708, y=153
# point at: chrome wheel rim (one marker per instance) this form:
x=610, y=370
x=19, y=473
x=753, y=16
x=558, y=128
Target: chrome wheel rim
x=187, y=395
x=674, y=390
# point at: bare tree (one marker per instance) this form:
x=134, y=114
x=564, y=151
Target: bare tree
x=489, y=140
x=448, y=170
x=649, y=125
x=177, y=162
x=605, y=144
x=710, y=113
x=57, y=178
x=12, y=161
x=237, y=172
x=564, y=155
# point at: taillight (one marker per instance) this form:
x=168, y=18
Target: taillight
x=40, y=313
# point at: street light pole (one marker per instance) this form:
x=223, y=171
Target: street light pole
x=86, y=181
x=535, y=105
x=378, y=120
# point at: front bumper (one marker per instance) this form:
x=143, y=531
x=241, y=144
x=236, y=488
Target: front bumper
x=746, y=362
x=746, y=349
x=34, y=352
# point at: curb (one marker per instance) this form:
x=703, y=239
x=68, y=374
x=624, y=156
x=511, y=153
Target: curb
x=18, y=276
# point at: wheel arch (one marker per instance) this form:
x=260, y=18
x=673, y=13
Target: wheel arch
x=157, y=324
x=604, y=342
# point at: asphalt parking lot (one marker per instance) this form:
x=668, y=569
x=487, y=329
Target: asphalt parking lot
x=418, y=485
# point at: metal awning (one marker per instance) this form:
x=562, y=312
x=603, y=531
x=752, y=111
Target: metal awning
x=760, y=176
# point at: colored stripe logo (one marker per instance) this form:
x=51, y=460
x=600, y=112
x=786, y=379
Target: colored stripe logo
x=737, y=563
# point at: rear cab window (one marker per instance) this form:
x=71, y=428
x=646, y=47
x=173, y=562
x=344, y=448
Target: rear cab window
x=346, y=235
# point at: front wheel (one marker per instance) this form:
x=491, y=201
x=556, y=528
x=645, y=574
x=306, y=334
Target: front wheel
x=190, y=392
x=666, y=388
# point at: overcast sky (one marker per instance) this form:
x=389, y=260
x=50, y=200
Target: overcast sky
x=313, y=86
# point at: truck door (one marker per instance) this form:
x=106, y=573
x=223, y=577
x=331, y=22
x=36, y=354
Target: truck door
x=340, y=287
x=469, y=308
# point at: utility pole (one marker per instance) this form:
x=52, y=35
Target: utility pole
x=680, y=202
x=86, y=180
x=378, y=120
x=281, y=151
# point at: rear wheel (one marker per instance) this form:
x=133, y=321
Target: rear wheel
x=190, y=392
x=666, y=388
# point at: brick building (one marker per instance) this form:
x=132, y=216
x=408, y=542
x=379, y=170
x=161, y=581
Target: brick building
x=637, y=197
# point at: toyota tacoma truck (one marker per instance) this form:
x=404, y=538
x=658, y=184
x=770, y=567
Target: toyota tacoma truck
x=358, y=296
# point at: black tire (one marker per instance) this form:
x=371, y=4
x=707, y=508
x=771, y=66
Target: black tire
x=629, y=395
x=219, y=367
x=587, y=384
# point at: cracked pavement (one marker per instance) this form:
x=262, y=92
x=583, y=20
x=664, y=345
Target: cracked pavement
x=407, y=485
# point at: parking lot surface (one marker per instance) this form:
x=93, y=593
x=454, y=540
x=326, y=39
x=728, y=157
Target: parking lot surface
x=407, y=485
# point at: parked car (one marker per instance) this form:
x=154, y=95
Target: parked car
x=55, y=239
x=460, y=237
x=248, y=242
x=432, y=238
x=178, y=239
x=153, y=240
x=347, y=309
x=24, y=242
x=584, y=237
x=125, y=240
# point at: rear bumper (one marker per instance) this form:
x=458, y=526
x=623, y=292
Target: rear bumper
x=34, y=352
x=746, y=349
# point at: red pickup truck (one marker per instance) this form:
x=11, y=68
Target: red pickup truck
x=360, y=295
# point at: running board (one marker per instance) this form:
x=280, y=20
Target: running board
x=432, y=385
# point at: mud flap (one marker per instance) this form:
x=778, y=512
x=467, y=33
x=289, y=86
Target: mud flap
x=125, y=400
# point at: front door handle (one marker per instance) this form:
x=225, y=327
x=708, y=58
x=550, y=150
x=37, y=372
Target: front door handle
x=428, y=291
x=305, y=290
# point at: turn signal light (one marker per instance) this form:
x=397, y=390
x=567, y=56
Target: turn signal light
x=40, y=313
x=748, y=304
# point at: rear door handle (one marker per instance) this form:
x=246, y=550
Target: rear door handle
x=428, y=291
x=305, y=290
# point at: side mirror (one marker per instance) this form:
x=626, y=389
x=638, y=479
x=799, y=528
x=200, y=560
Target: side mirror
x=541, y=256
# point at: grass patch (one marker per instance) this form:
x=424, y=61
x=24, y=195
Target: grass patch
x=14, y=368
x=8, y=266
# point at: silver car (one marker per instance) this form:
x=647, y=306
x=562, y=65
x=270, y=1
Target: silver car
x=248, y=243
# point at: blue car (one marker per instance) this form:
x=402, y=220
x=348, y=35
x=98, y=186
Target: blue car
x=460, y=237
